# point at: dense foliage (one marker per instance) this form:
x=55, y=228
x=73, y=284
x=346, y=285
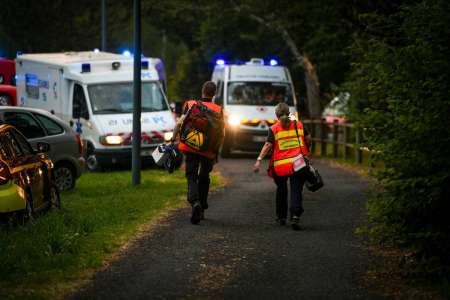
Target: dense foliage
x=399, y=87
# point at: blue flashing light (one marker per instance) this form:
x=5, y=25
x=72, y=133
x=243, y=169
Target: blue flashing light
x=220, y=62
x=96, y=50
x=126, y=53
x=85, y=68
x=273, y=62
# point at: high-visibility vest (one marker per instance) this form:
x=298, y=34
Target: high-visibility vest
x=287, y=146
x=198, y=137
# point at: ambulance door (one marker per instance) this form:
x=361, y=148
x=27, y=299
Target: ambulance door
x=80, y=111
x=54, y=96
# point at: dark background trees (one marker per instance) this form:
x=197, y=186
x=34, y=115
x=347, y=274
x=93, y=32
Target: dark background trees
x=392, y=56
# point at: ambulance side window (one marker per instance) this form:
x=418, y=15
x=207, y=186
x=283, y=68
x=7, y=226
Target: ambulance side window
x=218, y=99
x=79, y=109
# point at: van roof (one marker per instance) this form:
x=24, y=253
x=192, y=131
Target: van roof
x=67, y=58
x=258, y=73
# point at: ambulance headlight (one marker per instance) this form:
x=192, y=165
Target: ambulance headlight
x=168, y=136
x=111, y=140
x=234, y=120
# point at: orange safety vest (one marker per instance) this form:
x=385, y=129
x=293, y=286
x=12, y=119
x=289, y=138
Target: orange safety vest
x=287, y=146
x=186, y=148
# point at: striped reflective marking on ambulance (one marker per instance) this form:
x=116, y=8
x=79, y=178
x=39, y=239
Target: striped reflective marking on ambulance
x=146, y=137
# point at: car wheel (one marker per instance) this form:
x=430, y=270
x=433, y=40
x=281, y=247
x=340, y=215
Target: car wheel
x=54, y=198
x=64, y=177
x=5, y=100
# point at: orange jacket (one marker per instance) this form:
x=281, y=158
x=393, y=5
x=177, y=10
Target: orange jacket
x=287, y=146
x=186, y=148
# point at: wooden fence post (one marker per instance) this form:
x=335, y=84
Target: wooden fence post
x=313, y=137
x=323, y=139
x=358, y=152
x=335, y=139
x=346, y=130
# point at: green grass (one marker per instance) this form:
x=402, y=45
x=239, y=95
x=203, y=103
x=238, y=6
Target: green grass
x=47, y=257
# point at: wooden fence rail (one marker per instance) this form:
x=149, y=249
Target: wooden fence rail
x=337, y=136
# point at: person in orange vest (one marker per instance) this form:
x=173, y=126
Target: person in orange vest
x=199, y=148
x=288, y=140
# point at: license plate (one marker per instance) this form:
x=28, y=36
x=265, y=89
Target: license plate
x=146, y=152
x=259, y=138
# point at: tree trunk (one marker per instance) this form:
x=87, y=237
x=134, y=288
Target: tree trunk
x=311, y=78
x=312, y=89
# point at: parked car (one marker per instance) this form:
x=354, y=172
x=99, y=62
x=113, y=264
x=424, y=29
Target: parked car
x=27, y=182
x=66, y=149
x=335, y=111
x=7, y=71
x=8, y=95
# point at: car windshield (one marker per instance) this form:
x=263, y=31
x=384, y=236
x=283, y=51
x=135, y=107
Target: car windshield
x=117, y=98
x=259, y=93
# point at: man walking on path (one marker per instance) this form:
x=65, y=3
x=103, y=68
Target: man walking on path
x=201, y=133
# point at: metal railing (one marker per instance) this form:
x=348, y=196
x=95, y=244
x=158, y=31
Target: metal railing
x=344, y=139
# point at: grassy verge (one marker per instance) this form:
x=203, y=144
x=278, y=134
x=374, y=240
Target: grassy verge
x=46, y=257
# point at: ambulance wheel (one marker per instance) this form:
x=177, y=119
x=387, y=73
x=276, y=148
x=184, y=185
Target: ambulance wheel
x=226, y=150
x=92, y=163
x=5, y=100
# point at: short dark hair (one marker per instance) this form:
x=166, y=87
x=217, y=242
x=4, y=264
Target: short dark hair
x=209, y=89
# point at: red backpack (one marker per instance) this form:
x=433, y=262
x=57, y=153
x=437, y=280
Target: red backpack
x=202, y=129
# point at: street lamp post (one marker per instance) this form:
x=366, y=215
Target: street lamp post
x=136, y=151
x=104, y=21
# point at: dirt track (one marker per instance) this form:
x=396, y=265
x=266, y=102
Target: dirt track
x=239, y=252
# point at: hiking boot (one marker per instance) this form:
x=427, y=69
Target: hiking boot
x=295, y=223
x=196, y=213
x=281, y=221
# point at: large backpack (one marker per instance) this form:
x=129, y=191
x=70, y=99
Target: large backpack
x=202, y=128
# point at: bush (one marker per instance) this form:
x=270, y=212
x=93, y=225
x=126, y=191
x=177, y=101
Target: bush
x=399, y=88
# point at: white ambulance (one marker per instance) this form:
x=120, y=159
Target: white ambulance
x=249, y=93
x=93, y=91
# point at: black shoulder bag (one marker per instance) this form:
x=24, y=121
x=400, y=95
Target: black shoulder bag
x=313, y=179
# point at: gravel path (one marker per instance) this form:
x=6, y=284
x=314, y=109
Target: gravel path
x=239, y=252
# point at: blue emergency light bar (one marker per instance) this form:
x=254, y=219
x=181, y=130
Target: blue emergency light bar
x=126, y=53
x=96, y=50
x=273, y=62
x=220, y=62
x=85, y=68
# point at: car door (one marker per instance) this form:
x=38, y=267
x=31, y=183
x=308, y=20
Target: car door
x=26, y=124
x=28, y=165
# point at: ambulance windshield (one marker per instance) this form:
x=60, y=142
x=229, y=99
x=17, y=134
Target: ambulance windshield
x=117, y=98
x=259, y=93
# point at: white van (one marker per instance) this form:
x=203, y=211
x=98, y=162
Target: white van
x=93, y=91
x=249, y=94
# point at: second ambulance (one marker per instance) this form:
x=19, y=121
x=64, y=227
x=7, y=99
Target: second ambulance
x=249, y=93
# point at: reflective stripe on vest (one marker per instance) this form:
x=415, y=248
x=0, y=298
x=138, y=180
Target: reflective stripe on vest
x=287, y=146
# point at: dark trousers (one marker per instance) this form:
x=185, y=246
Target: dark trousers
x=296, y=182
x=197, y=173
